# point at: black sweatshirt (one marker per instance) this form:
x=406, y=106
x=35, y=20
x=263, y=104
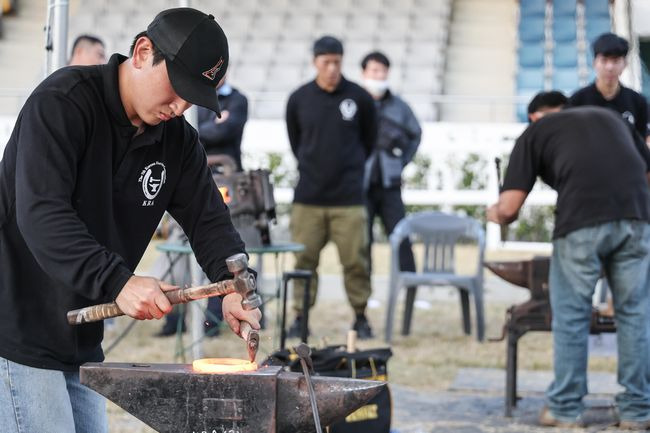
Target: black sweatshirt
x=80, y=198
x=331, y=135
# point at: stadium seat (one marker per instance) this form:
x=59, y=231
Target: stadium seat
x=531, y=55
x=565, y=79
x=268, y=24
x=531, y=29
x=283, y=79
x=564, y=29
x=530, y=78
x=564, y=8
x=596, y=8
x=565, y=55
x=396, y=23
x=420, y=79
x=299, y=25
x=532, y=8
x=331, y=24
x=596, y=26
x=524, y=96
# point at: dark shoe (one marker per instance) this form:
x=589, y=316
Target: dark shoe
x=170, y=328
x=295, y=330
x=547, y=419
x=634, y=425
x=361, y=325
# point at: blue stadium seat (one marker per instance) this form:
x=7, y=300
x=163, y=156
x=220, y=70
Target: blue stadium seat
x=564, y=29
x=566, y=79
x=596, y=8
x=531, y=55
x=531, y=29
x=521, y=109
x=565, y=55
x=563, y=8
x=530, y=79
x=532, y=8
x=596, y=26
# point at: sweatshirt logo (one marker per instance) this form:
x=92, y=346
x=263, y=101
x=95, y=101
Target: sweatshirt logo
x=348, y=109
x=152, y=178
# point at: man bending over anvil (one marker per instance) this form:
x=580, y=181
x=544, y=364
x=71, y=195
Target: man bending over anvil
x=599, y=166
x=96, y=157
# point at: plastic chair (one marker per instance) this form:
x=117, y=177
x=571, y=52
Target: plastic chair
x=531, y=55
x=596, y=26
x=563, y=8
x=566, y=79
x=531, y=29
x=439, y=233
x=530, y=78
x=596, y=8
x=565, y=55
x=565, y=29
x=528, y=8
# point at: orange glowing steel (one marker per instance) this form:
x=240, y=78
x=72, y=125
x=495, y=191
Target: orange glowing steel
x=222, y=365
x=225, y=193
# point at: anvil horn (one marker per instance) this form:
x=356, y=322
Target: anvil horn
x=173, y=398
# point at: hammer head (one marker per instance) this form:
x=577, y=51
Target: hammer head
x=244, y=281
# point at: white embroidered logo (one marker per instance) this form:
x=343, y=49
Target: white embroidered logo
x=628, y=116
x=152, y=179
x=348, y=109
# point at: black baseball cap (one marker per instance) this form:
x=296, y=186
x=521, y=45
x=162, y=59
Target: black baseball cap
x=196, y=53
x=610, y=45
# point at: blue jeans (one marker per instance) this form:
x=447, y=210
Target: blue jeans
x=622, y=249
x=37, y=400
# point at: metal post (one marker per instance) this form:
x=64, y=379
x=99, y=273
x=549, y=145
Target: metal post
x=56, y=35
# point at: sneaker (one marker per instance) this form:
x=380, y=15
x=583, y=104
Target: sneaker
x=295, y=330
x=361, y=325
x=547, y=419
x=634, y=425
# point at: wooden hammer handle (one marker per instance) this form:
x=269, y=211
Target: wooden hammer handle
x=95, y=313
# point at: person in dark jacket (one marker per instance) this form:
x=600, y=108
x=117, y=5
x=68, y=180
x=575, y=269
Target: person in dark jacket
x=222, y=135
x=398, y=138
x=332, y=125
x=96, y=157
x=600, y=169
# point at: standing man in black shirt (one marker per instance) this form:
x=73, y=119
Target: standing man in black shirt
x=600, y=169
x=331, y=124
x=610, y=53
x=96, y=157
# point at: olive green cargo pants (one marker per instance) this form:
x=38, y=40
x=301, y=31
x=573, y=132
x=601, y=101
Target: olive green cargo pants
x=345, y=226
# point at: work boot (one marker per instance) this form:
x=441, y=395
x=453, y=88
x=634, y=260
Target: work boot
x=295, y=330
x=634, y=425
x=547, y=419
x=361, y=325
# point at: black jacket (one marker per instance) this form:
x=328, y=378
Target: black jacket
x=80, y=198
x=225, y=137
x=331, y=135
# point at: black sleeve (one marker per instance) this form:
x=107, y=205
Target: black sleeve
x=213, y=134
x=414, y=132
x=576, y=100
x=198, y=207
x=640, y=144
x=51, y=142
x=368, y=119
x=293, y=125
x=522, y=166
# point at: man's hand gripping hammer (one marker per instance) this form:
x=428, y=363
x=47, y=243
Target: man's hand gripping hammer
x=243, y=282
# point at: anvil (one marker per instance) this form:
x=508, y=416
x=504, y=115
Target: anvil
x=173, y=398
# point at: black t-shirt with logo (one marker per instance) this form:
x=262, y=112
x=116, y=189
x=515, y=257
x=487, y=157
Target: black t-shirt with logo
x=632, y=106
x=331, y=135
x=80, y=197
x=592, y=158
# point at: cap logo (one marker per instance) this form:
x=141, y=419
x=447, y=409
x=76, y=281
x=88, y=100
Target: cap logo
x=212, y=72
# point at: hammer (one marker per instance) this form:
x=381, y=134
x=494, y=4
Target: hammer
x=243, y=282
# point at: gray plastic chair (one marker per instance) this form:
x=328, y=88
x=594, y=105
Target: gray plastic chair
x=439, y=233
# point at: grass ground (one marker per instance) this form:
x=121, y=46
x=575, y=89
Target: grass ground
x=426, y=360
